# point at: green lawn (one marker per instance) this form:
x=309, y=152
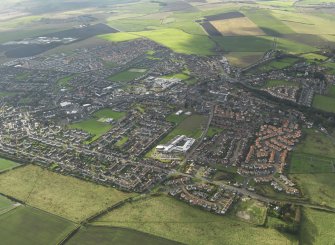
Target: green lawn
x=276, y=83
x=191, y=126
x=7, y=164
x=114, y=235
x=213, y=131
x=324, y=103
x=126, y=76
x=94, y=127
x=108, y=113
x=122, y=141
x=64, y=82
x=25, y=225
x=65, y=196
x=317, y=227
x=181, y=76
x=251, y=211
x=176, y=118
x=172, y=219
x=5, y=205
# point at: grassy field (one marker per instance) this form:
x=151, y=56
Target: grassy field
x=319, y=188
x=25, y=225
x=7, y=164
x=173, y=219
x=114, y=235
x=126, y=76
x=213, y=131
x=317, y=228
x=5, y=205
x=316, y=143
x=244, y=43
x=276, y=83
x=190, y=126
x=181, y=76
x=243, y=59
x=97, y=126
x=66, y=196
x=331, y=91
x=314, y=57
x=251, y=211
x=122, y=141
x=119, y=37
x=180, y=41
x=307, y=163
x=324, y=103
x=94, y=127
x=278, y=64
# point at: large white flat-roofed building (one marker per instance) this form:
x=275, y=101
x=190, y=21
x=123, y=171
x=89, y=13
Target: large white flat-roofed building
x=179, y=144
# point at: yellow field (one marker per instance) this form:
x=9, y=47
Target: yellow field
x=237, y=27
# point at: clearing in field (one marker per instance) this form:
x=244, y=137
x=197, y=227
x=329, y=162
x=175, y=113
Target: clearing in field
x=172, y=219
x=128, y=75
x=237, y=27
x=7, y=164
x=114, y=235
x=251, y=211
x=65, y=196
x=317, y=227
x=25, y=225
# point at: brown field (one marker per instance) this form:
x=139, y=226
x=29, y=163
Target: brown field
x=237, y=27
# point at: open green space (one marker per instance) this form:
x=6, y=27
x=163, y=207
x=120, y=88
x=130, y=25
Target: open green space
x=330, y=67
x=251, y=211
x=192, y=126
x=5, y=204
x=277, y=83
x=307, y=163
x=324, y=103
x=181, y=76
x=126, y=76
x=7, y=164
x=244, y=43
x=331, y=91
x=64, y=82
x=114, y=235
x=176, y=118
x=108, y=113
x=119, y=37
x=318, y=188
x=213, y=131
x=180, y=41
x=169, y=218
x=316, y=143
x=314, y=57
x=25, y=225
x=65, y=196
x=97, y=125
x=94, y=127
x=317, y=227
x=122, y=141
x=6, y=94
x=278, y=64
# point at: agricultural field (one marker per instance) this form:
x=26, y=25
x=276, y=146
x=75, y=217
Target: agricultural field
x=251, y=210
x=26, y=225
x=128, y=75
x=192, y=126
x=237, y=27
x=185, y=43
x=324, y=103
x=172, y=219
x=65, y=196
x=317, y=227
x=7, y=164
x=114, y=235
x=118, y=37
x=278, y=64
x=244, y=59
